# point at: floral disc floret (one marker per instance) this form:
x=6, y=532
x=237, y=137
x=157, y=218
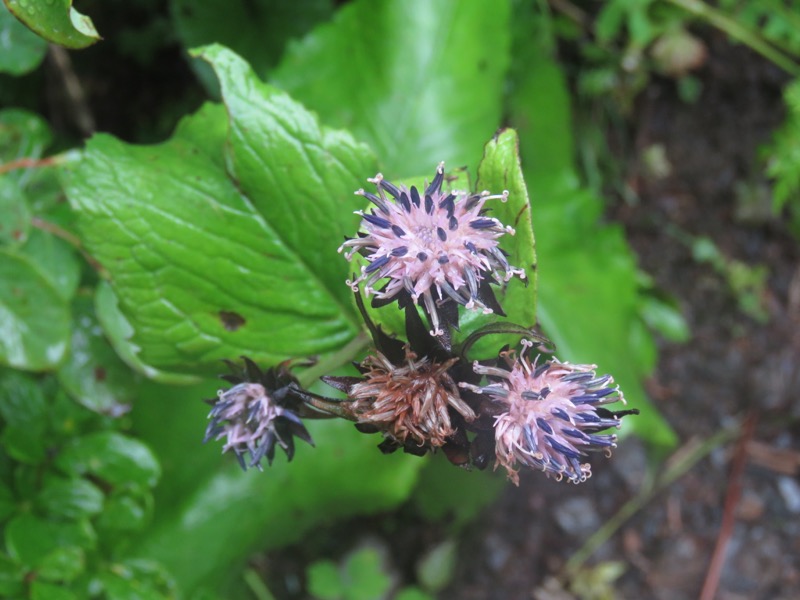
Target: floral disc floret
x=550, y=414
x=435, y=246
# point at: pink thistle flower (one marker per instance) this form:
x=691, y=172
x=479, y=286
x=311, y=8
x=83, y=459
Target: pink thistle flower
x=435, y=246
x=550, y=414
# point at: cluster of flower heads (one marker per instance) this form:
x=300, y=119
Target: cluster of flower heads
x=518, y=409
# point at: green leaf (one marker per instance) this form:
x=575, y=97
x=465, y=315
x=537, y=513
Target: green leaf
x=22, y=407
x=186, y=462
x=23, y=134
x=30, y=540
x=203, y=272
x=56, y=260
x=435, y=568
x=364, y=576
x=413, y=593
x=26, y=482
x=137, y=580
x=67, y=418
x=62, y=564
x=295, y=172
x=454, y=496
x=55, y=21
x=8, y=505
x=21, y=50
x=23, y=444
x=22, y=401
x=93, y=374
x=255, y=29
x=119, y=332
x=69, y=499
x=663, y=316
x=12, y=577
x=34, y=319
x=41, y=590
x=324, y=581
x=588, y=284
x=124, y=513
x=112, y=457
x=421, y=80
x=500, y=170
x=15, y=218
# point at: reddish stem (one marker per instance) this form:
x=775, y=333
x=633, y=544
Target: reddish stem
x=28, y=163
x=732, y=496
x=72, y=239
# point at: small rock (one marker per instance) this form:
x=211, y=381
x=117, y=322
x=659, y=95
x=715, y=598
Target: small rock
x=577, y=516
x=630, y=462
x=497, y=552
x=790, y=491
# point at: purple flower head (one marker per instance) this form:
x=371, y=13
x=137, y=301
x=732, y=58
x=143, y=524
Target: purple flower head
x=550, y=414
x=258, y=413
x=436, y=246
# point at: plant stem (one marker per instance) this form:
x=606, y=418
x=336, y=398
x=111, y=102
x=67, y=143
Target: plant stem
x=340, y=358
x=72, y=239
x=257, y=586
x=330, y=408
x=30, y=163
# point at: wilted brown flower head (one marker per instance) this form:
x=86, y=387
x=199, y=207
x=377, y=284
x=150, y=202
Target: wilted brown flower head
x=550, y=414
x=409, y=400
x=258, y=413
x=436, y=246
x=409, y=391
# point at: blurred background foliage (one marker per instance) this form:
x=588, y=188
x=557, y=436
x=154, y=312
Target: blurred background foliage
x=225, y=189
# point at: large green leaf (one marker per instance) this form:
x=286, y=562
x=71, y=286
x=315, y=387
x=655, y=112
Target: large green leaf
x=56, y=21
x=208, y=264
x=420, y=80
x=119, y=333
x=34, y=318
x=20, y=49
x=588, y=286
x=298, y=175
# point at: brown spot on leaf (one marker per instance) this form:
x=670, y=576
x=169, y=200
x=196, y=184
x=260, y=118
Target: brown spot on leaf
x=99, y=374
x=231, y=320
